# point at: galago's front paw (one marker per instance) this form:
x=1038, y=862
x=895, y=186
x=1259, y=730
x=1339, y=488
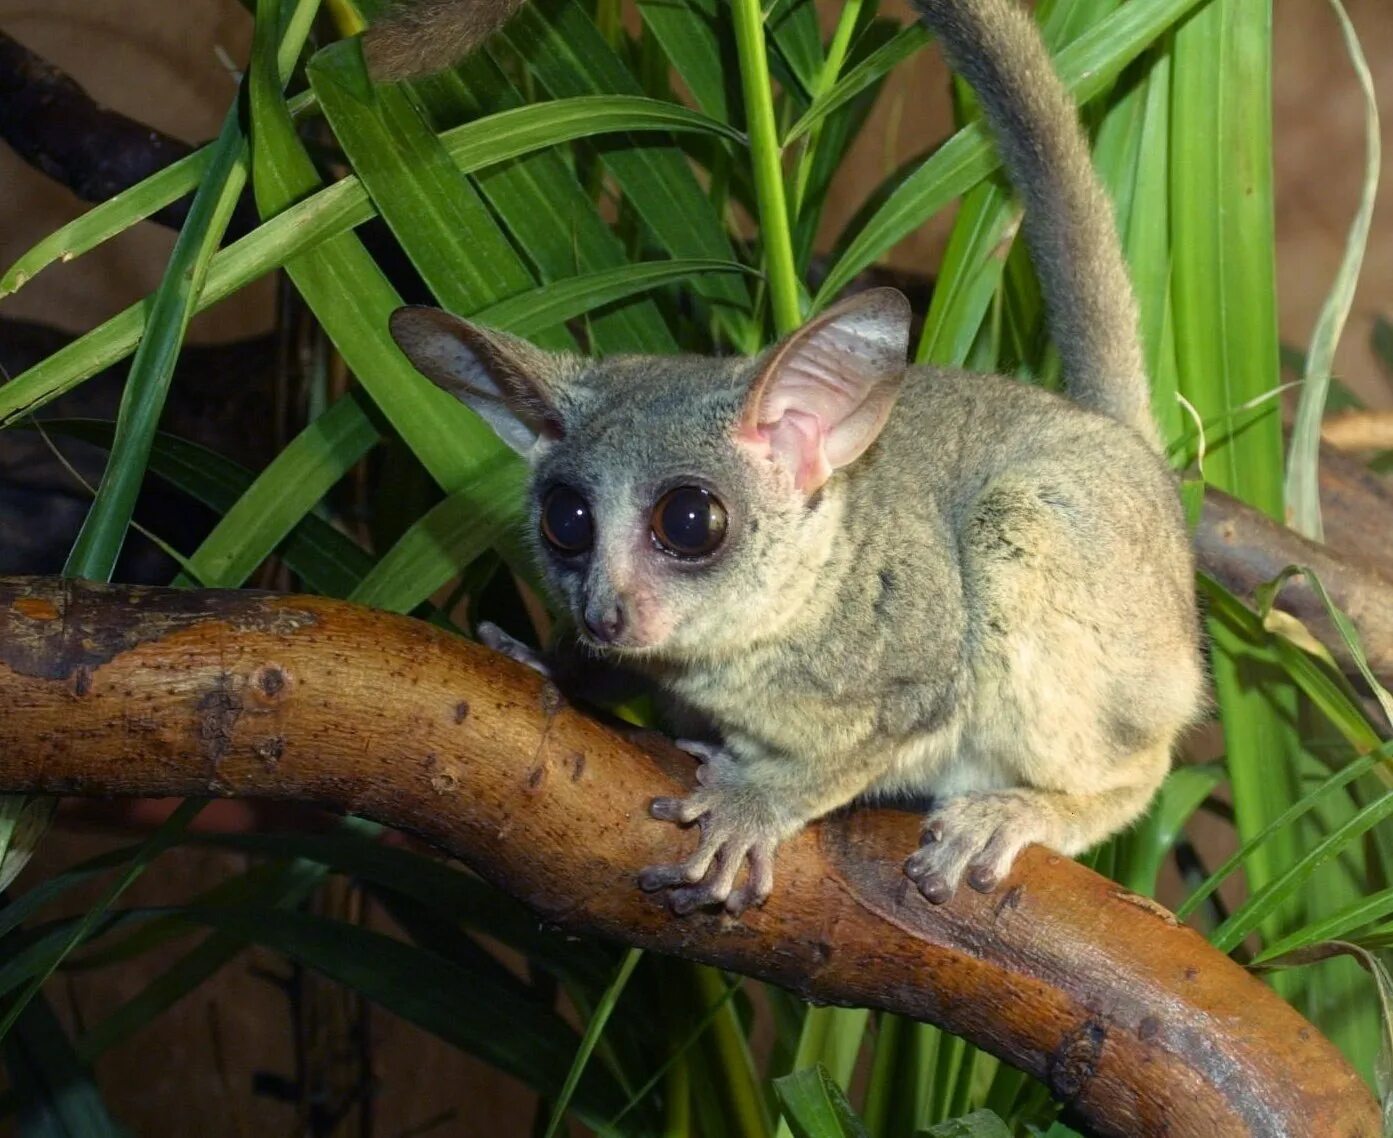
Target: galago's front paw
x=738, y=824
x=491, y=636
x=976, y=834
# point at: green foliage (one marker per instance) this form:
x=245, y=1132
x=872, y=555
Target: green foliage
x=56, y=1097
x=816, y=1107
x=553, y=186
x=978, y=1124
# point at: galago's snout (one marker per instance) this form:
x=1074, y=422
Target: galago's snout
x=606, y=618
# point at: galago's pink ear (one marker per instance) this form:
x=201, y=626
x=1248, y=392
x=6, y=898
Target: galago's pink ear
x=823, y=395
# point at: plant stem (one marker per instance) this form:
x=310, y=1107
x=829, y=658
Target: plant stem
x=677, y=1100
x=826, y=80
x=766, y=155
x=745, y=1107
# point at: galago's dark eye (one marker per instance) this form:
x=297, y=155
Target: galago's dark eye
x=689, y=521
x=566, y=521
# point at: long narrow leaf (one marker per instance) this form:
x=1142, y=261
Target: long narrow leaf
x=168, y=833
x=1147, y=243
x=56, y=1095
x=1302, y=485
x=327, y=560
x=793, y=29
x=351, y=297
x=816, y=1107
x=332, y=211
x=1337, y=781
x=1223, y=288
x=518, y=1036
x=445, y=890
x=565, y=299
x=117, y=214
x=286, y=887
x=593, y=1031
x=442, y=224
x=284, y=493
x=869, y=71
x=1335, y=926
x=688, y=33
x=1285, y=882
x=571, y=59
x=111, y=217
x=103, y=531
x=1222, y=227
x=466, y=524
x=549, y=214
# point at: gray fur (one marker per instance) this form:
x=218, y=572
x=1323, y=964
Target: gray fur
x=987, y=600
x=1069, y=225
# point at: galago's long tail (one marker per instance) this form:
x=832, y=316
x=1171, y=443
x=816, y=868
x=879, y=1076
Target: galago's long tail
x=417, y=37
x=1069, y=226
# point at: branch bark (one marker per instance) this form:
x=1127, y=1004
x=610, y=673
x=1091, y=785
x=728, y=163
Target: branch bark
x=1243, y=549
x=1356, y=505
x=1129, y=1017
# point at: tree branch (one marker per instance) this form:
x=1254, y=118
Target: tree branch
x=1242, y=548
x=1129, y=1017
x=1356, y=505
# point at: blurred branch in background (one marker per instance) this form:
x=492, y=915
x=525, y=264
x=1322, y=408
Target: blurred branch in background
x=54, y=125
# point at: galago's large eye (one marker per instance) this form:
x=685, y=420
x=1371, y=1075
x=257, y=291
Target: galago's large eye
x=566, y=521
x=689, y=521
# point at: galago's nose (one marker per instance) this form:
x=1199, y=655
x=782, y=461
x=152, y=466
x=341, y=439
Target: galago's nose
x=605, y=619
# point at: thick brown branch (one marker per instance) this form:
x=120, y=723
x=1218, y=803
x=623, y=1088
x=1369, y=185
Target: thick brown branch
x=1356, y=505
x=1130, y=1018
x=1244, y=549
